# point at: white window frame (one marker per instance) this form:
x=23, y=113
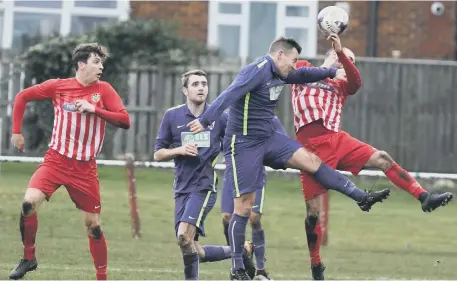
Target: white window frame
x=310, y=23
x=282, y=22
x=67, y=10
x=242, y=20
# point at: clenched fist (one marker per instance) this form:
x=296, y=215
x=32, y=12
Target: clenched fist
x=18, y=141
x=83, y=106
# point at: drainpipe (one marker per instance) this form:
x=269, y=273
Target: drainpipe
x=455, y=30
x=373, y=29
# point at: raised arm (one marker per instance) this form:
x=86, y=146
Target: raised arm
x=354, y=79
x=45, y=90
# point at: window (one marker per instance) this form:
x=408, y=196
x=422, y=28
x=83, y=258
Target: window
x=22, y=22
x=262, y=22
x=300, y=22
x=297, y=11
x=110, y=4
x=229, y=8
x=84, y=24
x=300, y=35
x=31, y=28
x=259, y=23
x=229, y=40
x=56, y=4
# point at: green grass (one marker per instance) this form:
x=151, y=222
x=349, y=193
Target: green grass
x=396, y=240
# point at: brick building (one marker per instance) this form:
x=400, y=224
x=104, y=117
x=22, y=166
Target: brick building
x=377, y=28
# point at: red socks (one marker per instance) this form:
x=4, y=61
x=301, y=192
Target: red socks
x=99, y=253
x=404, y=180
x=29, y=226
x=314, y=237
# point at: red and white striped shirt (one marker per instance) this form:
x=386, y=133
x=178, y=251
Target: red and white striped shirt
x=324, y=99
x=75, y=135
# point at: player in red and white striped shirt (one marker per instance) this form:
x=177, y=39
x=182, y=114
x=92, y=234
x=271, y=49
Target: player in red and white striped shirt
x=317, y=117
x=82, y=106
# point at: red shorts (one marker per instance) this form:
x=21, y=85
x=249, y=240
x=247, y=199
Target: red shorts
x=339, y=150
x=79, y=177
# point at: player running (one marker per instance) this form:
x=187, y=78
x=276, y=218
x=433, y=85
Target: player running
x=258, y=234
x=251, y=141
x=195, y=179
x=317, y=118
x=82, y=106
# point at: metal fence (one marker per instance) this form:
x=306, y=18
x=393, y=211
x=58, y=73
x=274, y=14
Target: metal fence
x=405, y=107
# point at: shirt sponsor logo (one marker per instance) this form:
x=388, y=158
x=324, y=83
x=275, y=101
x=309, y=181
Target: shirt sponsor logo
x=320, y=85
x=69, y=107
x=275, y=92
x=202, y=139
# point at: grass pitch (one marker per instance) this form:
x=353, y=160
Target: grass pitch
x=396, y=240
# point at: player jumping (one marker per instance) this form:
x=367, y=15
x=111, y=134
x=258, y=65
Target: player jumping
x=195, y=178
x=258, y=234
x=317, y=117
x=251, y=141
x=82, y=106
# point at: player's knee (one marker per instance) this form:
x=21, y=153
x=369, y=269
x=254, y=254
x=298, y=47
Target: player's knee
x=255, y=220
x=308, y=162
x=226, y=217
x=27, y=208
x=383, y=160
x=311, y=223
x=310, y=226
x=244, y=210
x=95, y=231
x=314, y=159
x=184, y=242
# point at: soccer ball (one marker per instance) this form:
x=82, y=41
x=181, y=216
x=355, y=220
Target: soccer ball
x=332, y=19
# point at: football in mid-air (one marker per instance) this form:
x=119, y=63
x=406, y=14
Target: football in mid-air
x=332, y=19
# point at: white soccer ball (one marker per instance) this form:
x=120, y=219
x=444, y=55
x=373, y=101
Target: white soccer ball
x=332, y=19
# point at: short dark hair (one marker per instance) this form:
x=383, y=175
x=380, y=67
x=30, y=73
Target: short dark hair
x=185, y=76
x=82, y=53
x=285, y=43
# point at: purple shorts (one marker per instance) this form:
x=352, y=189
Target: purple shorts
x=245, y=159
x=193, y=208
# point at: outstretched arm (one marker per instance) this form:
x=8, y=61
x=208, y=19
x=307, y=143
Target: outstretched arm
x=309, y=74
